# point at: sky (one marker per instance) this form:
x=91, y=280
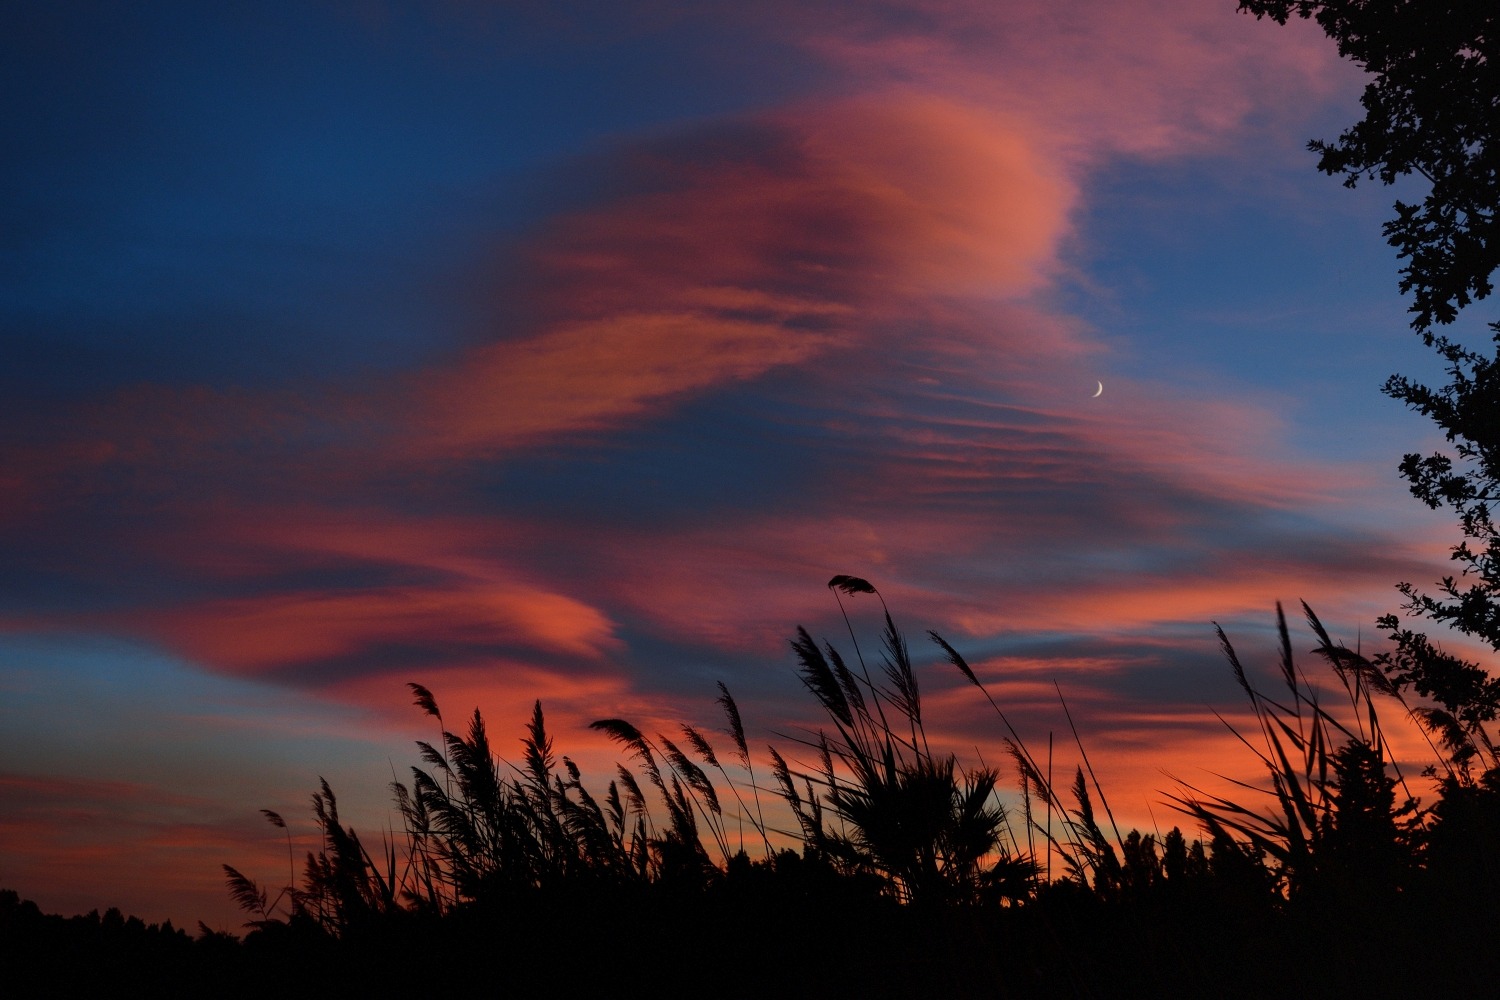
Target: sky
x=565, y=350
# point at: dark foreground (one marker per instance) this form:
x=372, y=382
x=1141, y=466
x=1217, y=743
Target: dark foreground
x=773, y=940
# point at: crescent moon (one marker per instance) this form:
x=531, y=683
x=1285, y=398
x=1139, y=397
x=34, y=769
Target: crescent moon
x=1098, y=391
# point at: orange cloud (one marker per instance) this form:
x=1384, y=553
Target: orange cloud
x=829, y=221
x=302, y=628
x=591, y=376
x=445, y=593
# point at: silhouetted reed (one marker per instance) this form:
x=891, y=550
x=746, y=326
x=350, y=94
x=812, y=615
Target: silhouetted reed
x=931, y=829
x=901, y=849
x=1333, y=820
x=877, y=807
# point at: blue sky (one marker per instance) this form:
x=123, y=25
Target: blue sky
x=566, y=351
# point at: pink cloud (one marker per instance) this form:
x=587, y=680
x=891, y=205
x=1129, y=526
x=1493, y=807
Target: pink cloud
x=1140, y=79
x=455, y=594
x=830, y=221
x=741, y=266
x=302, y=628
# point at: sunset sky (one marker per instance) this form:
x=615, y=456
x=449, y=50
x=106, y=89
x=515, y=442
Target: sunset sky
x=564, y=350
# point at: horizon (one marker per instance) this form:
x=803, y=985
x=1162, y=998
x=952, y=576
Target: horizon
x=566, y=353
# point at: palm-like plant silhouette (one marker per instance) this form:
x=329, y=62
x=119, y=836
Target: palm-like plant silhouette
x=932, y=829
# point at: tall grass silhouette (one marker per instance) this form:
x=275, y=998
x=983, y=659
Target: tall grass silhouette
x=914, y=862
x=855, y=855
x=876, y=807
x=1331, y=818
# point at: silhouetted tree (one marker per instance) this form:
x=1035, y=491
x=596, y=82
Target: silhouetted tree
x=1365, y=853
x=1462, y=864
x=1432, y=109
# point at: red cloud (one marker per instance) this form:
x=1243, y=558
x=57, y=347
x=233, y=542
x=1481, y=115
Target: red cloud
x=307, y=628
x=819, y=227
x=449, y=594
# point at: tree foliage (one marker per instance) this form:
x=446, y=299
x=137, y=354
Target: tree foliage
x=1432, y=110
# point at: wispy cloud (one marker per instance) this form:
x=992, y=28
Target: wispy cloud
x=871, y=272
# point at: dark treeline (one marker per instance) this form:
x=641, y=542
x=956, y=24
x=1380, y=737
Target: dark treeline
x=884, y=868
